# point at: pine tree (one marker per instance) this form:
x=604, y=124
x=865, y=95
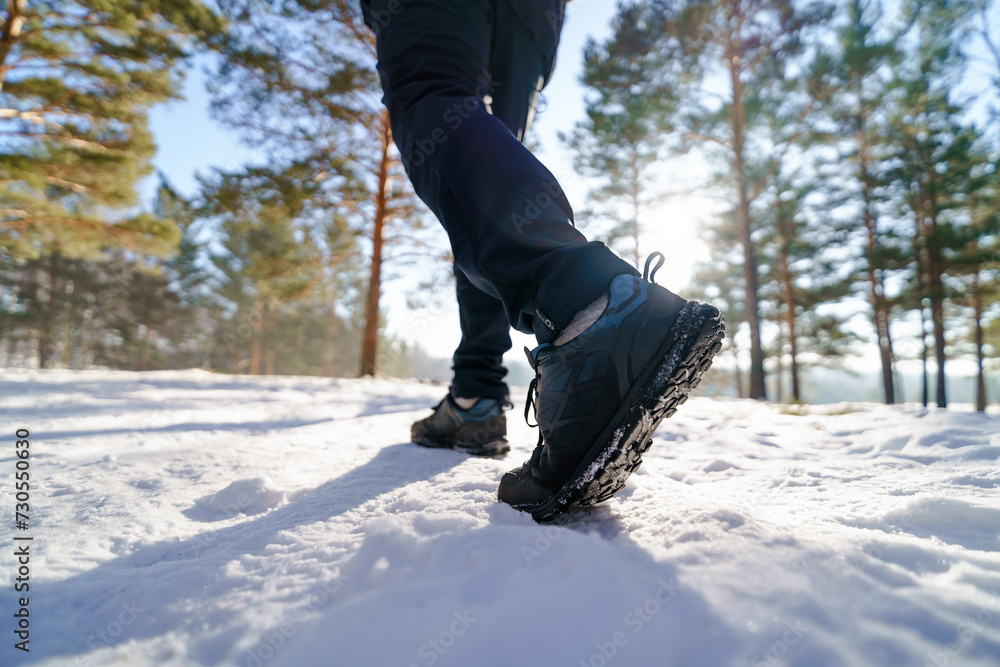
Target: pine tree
x=78, y=78
x=183, y=266
x=862, y=95
x=754, y=45
x=975, y=262
x=799, y=277
x=147, y=309
x=189, y=327
x=720, y=282
x=269, y=259
x=298, y=78
x=932, y=151
x=984, y=288
x=629, y=103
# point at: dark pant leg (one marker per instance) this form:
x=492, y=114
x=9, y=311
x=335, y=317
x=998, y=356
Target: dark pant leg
x=519, y=68
x=505, y=215
x=478, y=361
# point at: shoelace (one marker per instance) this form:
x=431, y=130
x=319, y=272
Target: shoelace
x=532, y=398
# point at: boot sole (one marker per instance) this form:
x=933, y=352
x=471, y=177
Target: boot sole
x=656, y=395
x=491, y=448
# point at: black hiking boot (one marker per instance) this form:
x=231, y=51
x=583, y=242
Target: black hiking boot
x=480, y=430
x=599, y=397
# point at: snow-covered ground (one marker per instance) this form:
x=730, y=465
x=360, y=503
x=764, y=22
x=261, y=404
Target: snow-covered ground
x=184, y=518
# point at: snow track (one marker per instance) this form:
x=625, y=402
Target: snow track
x=184, y=518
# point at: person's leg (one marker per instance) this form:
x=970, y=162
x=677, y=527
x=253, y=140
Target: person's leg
x=519, y=68
x=478, y=362
x=520, y=61
x=471, y=417
x=618, y=353
x=627, y=360
x=478, y=394
x=506, y=217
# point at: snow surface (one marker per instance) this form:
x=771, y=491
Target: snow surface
x=185, y=518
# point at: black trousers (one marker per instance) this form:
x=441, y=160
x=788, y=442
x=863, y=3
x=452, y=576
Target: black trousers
x=460, y=80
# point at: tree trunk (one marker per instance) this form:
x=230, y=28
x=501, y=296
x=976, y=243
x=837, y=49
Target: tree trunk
x=737, y=372
x=369, y=346
x=738, y=120
x=793, y=351
x=331, y=345
x=897, y=381
x=267, y=342
x=929, y=273
x=880, y=319
x=635, y=209
x=256, y=345
x=788, y=296
x=935, y=289
x=779, y=367
x=46, y=345
x=796, y=383
x=937, y=318
x=144, y=350
x=876, y=293
x=236, y=361
x=977, y=306
x=925, y=393
x=12, y=25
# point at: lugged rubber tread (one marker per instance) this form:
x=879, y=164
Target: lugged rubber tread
x=657, y=401
x=491, y=448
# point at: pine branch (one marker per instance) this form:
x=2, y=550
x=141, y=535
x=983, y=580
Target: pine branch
x=67, y=140
x=776, y=163
x=70, y=185
x=22, y=219
x=35, y=117
x=689, y=135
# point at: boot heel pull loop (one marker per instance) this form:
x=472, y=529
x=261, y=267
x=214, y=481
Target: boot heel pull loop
x=660, y=261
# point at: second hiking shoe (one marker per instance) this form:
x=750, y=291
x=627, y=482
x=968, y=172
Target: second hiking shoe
x=480, y=430
x=599, y=397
